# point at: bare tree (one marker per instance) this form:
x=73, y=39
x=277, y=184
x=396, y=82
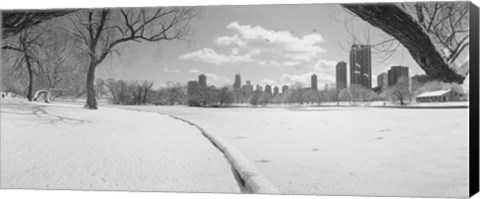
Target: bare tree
x=225, y=96
x=356, y=92
x=311, y=96
x=146, y=86
x=345, y=95
x=437, y=26
x=14, y=22
x=175, y=93
x=55, y=62
x=12, y=74
x=297, y=93
x=383, y=46
x=447, y=22
x=400, y=91
x=112, y=86
x=100, y=86
x=26, y=45
x=101, y=30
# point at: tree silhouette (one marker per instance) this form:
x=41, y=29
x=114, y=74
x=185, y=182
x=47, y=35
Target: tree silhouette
x=101, y=30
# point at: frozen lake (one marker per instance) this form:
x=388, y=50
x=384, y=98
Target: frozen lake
x=347, y=151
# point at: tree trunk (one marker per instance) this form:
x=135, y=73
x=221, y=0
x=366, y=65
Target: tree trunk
x=145, y=95
x=397, y=23
x=91, y=99
x=30, y=78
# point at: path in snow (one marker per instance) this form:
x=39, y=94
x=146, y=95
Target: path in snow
x=53, y=146
x=347, y=151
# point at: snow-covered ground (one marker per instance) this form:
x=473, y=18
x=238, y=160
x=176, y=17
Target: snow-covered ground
x=346, y=150
x=55, y=146
x=390, y=104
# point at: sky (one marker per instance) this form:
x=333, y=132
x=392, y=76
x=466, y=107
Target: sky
x=266, y=44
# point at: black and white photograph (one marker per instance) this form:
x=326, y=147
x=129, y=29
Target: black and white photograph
x=326, y=99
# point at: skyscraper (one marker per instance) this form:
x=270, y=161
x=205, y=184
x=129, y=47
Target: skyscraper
x=259, y=88
x=395, y=73
x=248, y=88
x=313, y=84
x=361, y=65
x=202, y=80
x=341, y=75
x=382, y=81
x=268, y=89
x=284, y=89
x=238, y=82
x=275, y=90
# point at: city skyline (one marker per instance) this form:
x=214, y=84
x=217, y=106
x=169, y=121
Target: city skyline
x=248, y=87
x=384, y=80
x=237, y=43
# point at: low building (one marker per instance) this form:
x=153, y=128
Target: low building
x=439, y=96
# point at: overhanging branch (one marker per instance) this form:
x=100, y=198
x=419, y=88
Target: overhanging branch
x=397, y=23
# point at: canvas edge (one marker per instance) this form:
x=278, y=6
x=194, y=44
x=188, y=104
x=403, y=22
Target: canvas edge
x=474, y=108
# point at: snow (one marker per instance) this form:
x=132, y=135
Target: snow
x=252, y=180
x=60, y=146
x=347, y=150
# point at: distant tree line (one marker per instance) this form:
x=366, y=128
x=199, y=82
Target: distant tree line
x=142, y=92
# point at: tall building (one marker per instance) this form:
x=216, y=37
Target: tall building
x=361, y=65
x=314, y=82
x=275, y=90
x=284, y=89
x=259, y=88
x=268, y=89
x=341, y=75
x=202, y=80
x=396, y=72
x=248, y=88
x=238, y=81
x=382, y=81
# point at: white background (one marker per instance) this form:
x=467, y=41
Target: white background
x=32, y=4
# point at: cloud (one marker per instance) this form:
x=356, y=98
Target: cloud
x=282, y=43
x=260, y=45
x=230, y=40
x=291, y=63
x=270, y=82
x=218, y=79
x=194, y=71
x=269, y=62
x=325, y=65
x=209, y=55
x=171, y=71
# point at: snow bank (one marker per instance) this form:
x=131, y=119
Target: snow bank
x=55, y=146
x=251, y=178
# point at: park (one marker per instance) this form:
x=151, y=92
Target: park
x=126, y=99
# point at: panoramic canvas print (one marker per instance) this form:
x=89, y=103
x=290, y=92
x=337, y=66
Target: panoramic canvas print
x=315, y=99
